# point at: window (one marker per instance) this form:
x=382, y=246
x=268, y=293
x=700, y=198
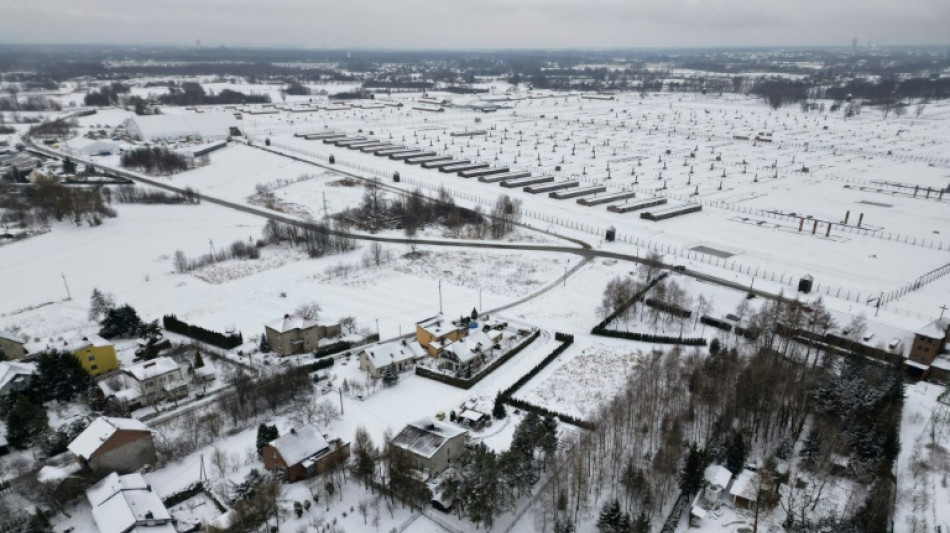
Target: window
x=94, y=367
x=91, y=358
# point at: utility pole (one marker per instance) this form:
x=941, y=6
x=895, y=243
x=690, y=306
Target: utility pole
x=440, y=296
x=69, y=296
x=943, y=309
x=211, y=243
x=340, y=390
x=325, y=208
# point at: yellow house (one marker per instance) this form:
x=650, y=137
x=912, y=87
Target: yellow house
x=95, y=354
x=436, y=332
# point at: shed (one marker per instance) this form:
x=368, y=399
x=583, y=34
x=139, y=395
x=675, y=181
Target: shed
x=805, y=284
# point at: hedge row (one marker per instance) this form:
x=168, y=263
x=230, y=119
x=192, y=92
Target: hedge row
x=190, y=492
x=541, y=411
x=716, y=323
x=667, y=307
x=646, y=337
x=321, y=364
x=469, y=383
x=331, y=349
x=565, y=344
x=221, y=340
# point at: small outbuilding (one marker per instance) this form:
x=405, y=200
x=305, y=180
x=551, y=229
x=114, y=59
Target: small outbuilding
x=805, y=284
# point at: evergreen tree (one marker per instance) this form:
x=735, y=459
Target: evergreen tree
x=120, y=322
x=265, y=434
x=59, y=376
x=389, y=376
x=474, y=314
x=563, y=526
x=610, y=518
x=736, y=453
x=39, y=523
x=548, y=441
x=69, y=167
x=498, y=411
x=199, y=361
x=691, y=477
x=265, y=344
x=365, y=457
x=25, y=422
x=99, y=304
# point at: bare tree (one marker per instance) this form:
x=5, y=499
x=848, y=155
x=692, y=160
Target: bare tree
x=325, y=411
x=309, y=310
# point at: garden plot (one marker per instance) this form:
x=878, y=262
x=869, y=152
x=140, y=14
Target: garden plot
x=589, y=374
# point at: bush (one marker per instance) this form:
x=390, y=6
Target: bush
x=321, y=364
x=155, y=159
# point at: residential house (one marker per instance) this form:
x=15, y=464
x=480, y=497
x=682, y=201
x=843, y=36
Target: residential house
x=12, y=346
x=112, y=444
x=304, y=452
x=127, y=504
x=432, y=444
x=401, y=355
x=929, y=341
x=436, y=332
x=15, y=376
x=154, y=381
x=96, y=354
x=469, y=353
x=294, y=335
x=716, y=478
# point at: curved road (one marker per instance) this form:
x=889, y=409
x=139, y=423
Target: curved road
x=583, y=250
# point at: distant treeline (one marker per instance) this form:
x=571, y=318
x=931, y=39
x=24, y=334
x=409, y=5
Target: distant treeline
x=192, y=93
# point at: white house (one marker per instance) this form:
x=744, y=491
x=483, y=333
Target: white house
x=401, y=355
x=127, y=504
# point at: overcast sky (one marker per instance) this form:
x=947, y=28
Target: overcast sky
x=477, y=23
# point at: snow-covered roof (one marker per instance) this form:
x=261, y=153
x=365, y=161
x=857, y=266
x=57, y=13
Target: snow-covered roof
x=122, y=504
x=426, y=437
x=472, y=415
x=101, y=430
x=71, y=342
x=213, y=124
x=467, y=348
x=10, y=337
x=300, y=443
x=150, y=369
x=290, y=322
x=11, y=370
x=437, y=326
x=717, y=476
x=394, y=352
x=58, y=471
x=741, y=485
x=936, y=329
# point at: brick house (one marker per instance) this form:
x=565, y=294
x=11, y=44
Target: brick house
x=293, y=335
x=110, y=444
x=304, y=452
x=929, y=341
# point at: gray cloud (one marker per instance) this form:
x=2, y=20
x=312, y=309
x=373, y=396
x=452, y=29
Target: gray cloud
x=477, y=23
